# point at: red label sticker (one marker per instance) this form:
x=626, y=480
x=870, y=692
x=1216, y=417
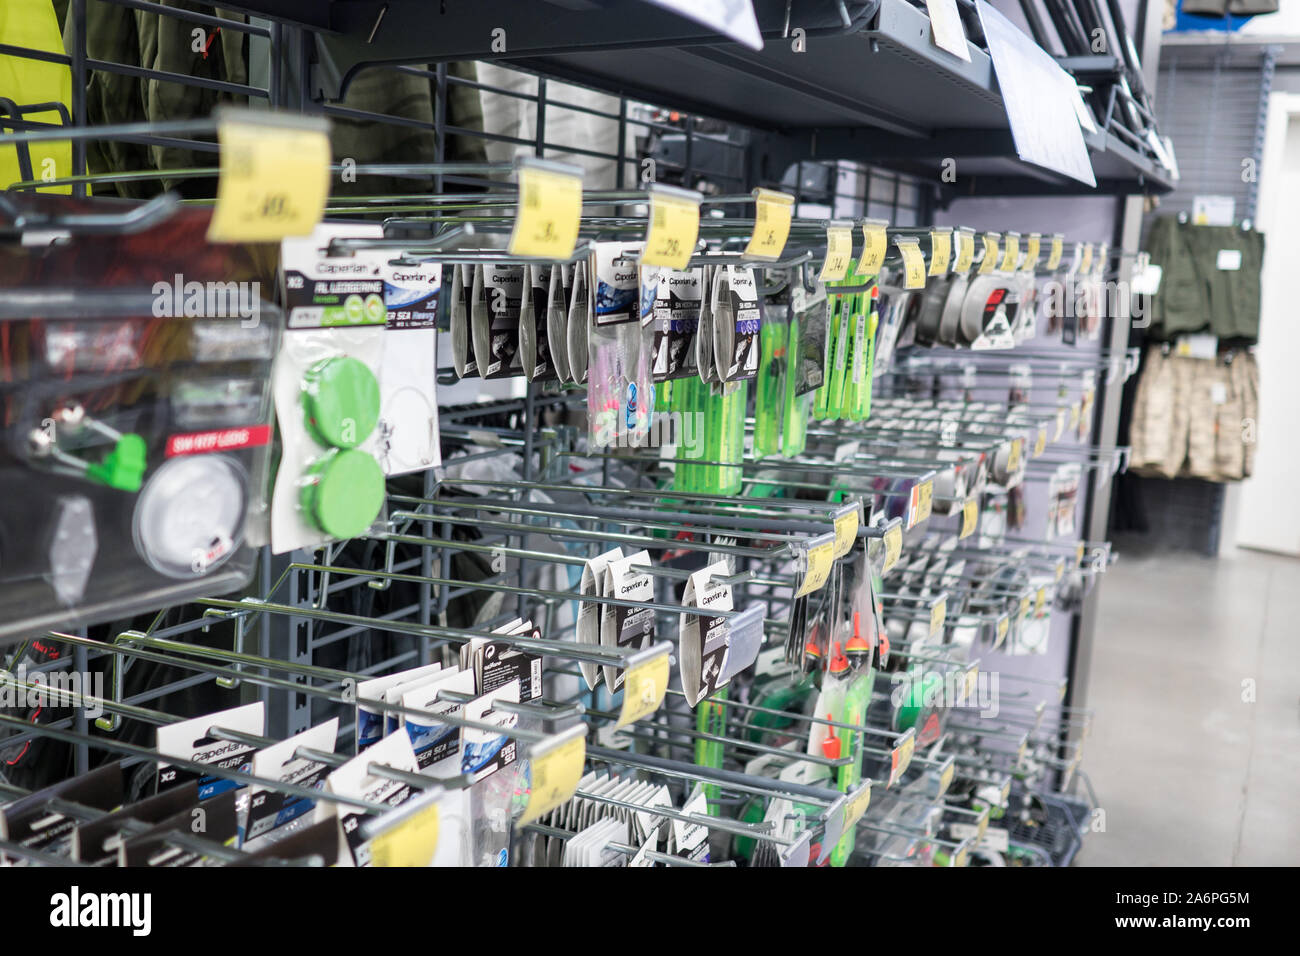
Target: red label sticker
x=223, y=439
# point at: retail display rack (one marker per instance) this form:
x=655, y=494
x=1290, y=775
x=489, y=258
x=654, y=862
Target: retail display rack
x=797, y=654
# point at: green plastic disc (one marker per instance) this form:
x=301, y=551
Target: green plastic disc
x=340, y=398
x=343, y=492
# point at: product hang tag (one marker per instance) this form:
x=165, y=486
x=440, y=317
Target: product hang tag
x=645, y=682
x=940, y=251
x=875, y=243
x=856, y=804
x=921, y=502
x=772, y=214
x=1057, y=250
x=1228, y=260
x=847, y=520
x=839, y=250
x=1033, y=246
x=913, y=262
x=1010, y=252
x=938, y=615
x=556, y=767
x=674, y=227
x=900, y=758
x=412, y=841
x=275, y=176
x=548, y=211
x=965, y=249
x=1085, y=263
x=945, y=776
x=990, y=260
x=1001, y=628
x=819, y=557
x=893, y=547
x=970, y=511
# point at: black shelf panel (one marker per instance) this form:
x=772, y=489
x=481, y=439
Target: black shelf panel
x=875, y=90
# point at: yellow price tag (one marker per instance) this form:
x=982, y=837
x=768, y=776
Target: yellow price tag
x=1033, y=245
x=1020, y=752
x=965, y=250
x=900, y=758
x=771, y=224
x=1024, y=605
x=990, y=260
x=1005, y=793
x=855, y=807
x=275, y=177
x=1004, y=623
x=839, y=250
x=982, y=826
x=1013, y=457
x=1010, y=252
x=1039, y=600
x=893, y=547
x=1059, y=570
x=960, y=858
x=846, y=530
x=1075, y=410
x=1086, y=262
x=922, y=502
x=644, y=686
x=940, y=251
x=1040, y=443
x=945, y=778
x=674, y=228
x=1078, y=554
x=549, y=210
x=555, y=774
x=938, y=614
x=821, y=555
x=1054, y=256
x=412, y=842
x=875, y=243
x=1060, y=423
x=913, y=263
x=970, y=513
x=971, y=680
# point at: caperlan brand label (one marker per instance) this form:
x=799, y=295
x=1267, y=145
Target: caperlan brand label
x=617, y=290
x=748, y=319
x=411, y=296
x=627, y=626
x=676, y=319
x=83, y=910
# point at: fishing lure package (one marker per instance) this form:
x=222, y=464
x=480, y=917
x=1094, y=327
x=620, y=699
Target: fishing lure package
x=557, y=318
x=135, y=421
x=459, y=310
x=328, y=399
x=676, y=320
x=534, y=314
x=620, y=392
x=737, y=319
x=495, y=303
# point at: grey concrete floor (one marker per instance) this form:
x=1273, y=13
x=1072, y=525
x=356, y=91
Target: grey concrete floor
x=1188, y=769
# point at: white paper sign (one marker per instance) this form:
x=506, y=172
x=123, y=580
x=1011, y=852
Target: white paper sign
x=733, y=18
x=1039, y=98
x=946, y=29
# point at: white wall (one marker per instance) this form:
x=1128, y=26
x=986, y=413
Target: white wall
x=1268, y=504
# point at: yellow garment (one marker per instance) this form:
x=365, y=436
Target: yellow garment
x=34, y=25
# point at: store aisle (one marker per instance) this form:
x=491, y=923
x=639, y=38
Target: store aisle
x=1188, y=770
